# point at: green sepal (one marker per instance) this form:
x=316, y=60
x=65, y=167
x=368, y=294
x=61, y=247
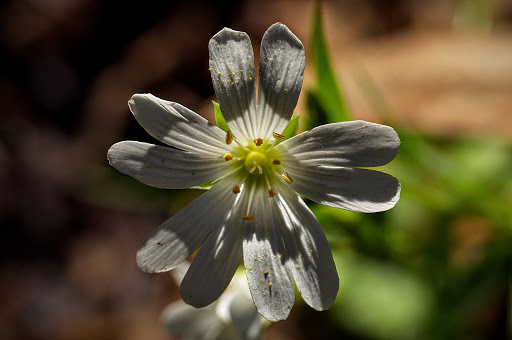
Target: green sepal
x=291, y=129
x=219, y=118
x=205, y=186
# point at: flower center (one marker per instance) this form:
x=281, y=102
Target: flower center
x=256, y=162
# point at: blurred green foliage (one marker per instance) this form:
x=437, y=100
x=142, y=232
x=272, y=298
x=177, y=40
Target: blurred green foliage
x=437, y=265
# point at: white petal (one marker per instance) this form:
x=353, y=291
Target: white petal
x=173, y=241
x=353, y=189
x=269, y=279
x=309, y=255
x=282, y=60
x=213, y=267
x=233, y=77
x=175, y=125
x=353, y=144
x=188, y=322
x=164, y=167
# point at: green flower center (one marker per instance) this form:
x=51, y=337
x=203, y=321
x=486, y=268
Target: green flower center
x=256, y=162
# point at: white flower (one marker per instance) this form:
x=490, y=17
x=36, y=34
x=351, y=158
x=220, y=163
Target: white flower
x=253, y=212
x=233, y=316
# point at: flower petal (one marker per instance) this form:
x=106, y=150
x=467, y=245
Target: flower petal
x=354, y=144
x=309, y=255
x=233, y=77
x=187, y=322
x=269, y=279
x=175, y=239
x=353, y=189
x=164, y=167
x=175, y=125
x=282, y=61
x=213, y=267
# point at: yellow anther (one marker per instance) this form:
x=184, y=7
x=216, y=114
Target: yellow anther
x=209, y=69
x=248, y=217
x=258, y=141
x=271, y=193
x=287, y=178
x=278, y=136
x=228, y=157
x=229, y=137
x=236, y=189
x=270, y=283
x=276, y=161
x=250, y=78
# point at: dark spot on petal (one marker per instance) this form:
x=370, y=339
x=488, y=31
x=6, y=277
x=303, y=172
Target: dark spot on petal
x=160, y=244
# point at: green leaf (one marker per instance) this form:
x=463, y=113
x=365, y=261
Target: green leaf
x=291, y=129
x=219, y=118
x=328, y=99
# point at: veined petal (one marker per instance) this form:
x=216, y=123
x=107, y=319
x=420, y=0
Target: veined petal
x=353, y=144
x=174, y=240
x=269, y=279
x=164, y=167
x=213, y=267
x=282, y=61
x=309, y=255
x=233, y=77
x=177, y=126
x=353, y=189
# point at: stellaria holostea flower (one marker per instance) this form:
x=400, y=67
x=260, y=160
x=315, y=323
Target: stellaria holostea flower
x=253, y=212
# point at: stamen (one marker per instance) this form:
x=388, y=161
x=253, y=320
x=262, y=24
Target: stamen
x=251, y=196
x=236, y=189
x=229, y=137
x=260, y=170
x=276, y=161
x=271, y=193
x=228, y=157
x=272, y=146
x=258, y=141
x=287, y=178
x=278, y=136
x=248, y=217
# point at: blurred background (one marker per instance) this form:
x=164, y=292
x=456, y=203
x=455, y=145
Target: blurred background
x=437, y=266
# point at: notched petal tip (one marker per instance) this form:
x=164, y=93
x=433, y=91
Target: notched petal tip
x=224, y=35
x=280, y=31
x=139, y=99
